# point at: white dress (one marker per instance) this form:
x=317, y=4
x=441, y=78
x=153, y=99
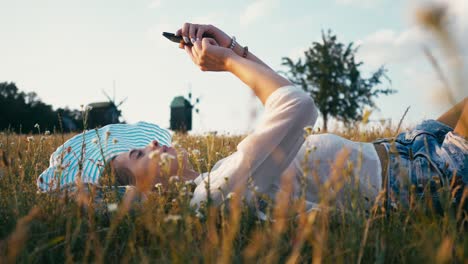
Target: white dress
x=276, y=149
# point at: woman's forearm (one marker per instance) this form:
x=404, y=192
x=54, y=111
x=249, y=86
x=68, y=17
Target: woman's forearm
x=208, y=55
x=260, y=78
x=239, y=50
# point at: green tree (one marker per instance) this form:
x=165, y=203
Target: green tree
x=330, y=74
x=20, y=112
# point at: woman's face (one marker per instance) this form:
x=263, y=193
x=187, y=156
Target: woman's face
x=152, y=164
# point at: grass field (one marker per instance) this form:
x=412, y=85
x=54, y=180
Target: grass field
x=72, y=227
x=57, y=228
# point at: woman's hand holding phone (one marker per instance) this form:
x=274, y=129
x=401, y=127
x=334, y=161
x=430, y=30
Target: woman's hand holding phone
x=193, y=32
x=211, y=51
x=208, y=55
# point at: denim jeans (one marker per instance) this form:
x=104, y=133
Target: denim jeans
x=429, y=156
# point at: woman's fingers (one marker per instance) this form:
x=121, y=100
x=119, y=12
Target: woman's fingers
x=197, y=50
x=189, y=51
x=209, y=41
x=179, y=33
x=193, y=32
x=185, y=32
x=201, y=30
x=206, y=52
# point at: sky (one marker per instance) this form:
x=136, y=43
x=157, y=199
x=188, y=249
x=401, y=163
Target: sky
x=69, y=51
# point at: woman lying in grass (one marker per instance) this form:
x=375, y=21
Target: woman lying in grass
x=434, y=154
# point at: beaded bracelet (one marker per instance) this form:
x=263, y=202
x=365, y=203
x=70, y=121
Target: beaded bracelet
x=233, y=42
x=246, y=52
x=233, y=45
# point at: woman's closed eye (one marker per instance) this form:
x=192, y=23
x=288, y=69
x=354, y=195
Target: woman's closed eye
x=135, y=153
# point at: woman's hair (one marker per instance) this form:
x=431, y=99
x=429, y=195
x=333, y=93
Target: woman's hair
x=123, y=176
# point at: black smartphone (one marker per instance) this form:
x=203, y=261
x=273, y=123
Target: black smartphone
x=177, y=39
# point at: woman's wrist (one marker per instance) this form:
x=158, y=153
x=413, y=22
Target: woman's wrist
x=238, y=49
x=230, y=60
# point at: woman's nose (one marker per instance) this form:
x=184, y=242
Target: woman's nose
x=154, y=144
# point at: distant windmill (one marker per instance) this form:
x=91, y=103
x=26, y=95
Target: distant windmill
x=181, y=112
x=104, y=113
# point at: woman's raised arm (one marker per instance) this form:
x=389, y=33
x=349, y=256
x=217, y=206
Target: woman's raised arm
x=209, y=56
x=193, y=32
x=268, y=151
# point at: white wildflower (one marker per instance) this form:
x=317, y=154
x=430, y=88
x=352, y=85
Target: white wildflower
x=230, y=195
x=199, y=215
x=166, y=157
x=129, y=188
x=158, y=185
x=47, y=132
x=189, y=183
x=262, y=216
x=30, y=138
x=36, y=125
x=174, y=178
x=173, y=218
x=112, y=207
x=154, y=154
x=256, y=188
x=196, y=152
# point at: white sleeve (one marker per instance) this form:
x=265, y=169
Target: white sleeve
x=267, y=152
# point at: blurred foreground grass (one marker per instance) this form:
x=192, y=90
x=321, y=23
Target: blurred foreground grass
x=53, y=228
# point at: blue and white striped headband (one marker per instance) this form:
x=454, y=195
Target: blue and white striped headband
x=97, y=145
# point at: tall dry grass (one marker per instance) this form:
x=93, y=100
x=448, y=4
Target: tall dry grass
x=53, y=228
x=62, y=227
